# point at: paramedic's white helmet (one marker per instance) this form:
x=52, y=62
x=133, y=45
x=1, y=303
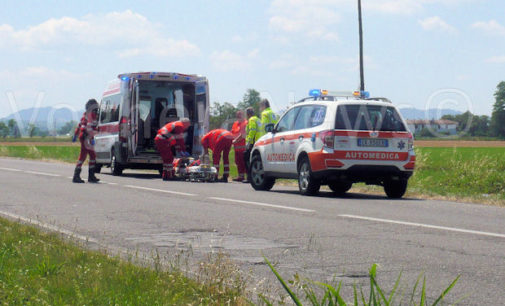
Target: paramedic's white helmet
x=186, y=122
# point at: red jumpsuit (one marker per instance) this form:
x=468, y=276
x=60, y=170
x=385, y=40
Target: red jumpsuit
x=219, y=141
x=168, y=137
x=239, y=129
x=86, y=131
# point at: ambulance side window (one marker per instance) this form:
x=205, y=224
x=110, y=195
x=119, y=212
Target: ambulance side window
x=287, y=121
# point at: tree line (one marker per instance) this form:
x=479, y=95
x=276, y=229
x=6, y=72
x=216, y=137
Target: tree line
x=484, y=126
x=11, y=129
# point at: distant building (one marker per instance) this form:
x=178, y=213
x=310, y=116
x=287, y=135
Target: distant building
x=438, y=126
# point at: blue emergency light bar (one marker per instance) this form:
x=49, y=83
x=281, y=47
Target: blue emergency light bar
x=323, y=92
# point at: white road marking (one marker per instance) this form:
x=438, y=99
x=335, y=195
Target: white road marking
x=10, y=169
x=160, y=190
x=444, y=228
x=41, y=173
x=112, y=183
x=263, y=204
x=48, y=226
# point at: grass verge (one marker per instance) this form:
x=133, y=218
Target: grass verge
x=375, y=295
x=40, y=268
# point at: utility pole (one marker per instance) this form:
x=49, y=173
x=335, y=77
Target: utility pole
x=361, y=70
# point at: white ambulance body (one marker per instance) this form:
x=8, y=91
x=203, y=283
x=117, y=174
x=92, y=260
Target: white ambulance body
x=336, y=139
x=135, y=105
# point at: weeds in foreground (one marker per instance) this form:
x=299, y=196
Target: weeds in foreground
x=376, y=295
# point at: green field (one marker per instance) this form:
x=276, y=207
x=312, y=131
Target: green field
x=37, y=268
x=474, y=174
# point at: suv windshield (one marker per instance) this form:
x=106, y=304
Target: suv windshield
x=368, y=118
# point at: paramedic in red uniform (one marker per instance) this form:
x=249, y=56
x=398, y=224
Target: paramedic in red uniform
x=170, y=141
x=239, y=133
x=86, y=131
x=219, y=141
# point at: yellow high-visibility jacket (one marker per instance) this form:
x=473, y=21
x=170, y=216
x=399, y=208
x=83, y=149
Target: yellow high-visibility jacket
x=267, y=116
x=253, y=130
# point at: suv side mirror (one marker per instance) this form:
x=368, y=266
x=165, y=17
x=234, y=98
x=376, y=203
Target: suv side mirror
x=269, y=128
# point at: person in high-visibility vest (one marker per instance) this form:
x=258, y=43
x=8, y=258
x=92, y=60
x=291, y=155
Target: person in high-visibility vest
x=85, y=132
x=219, y=141
x=238, y=131
x=267, y=116
x=252, y=134
x=170, y=140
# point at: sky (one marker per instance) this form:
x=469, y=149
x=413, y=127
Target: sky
x=419, y=53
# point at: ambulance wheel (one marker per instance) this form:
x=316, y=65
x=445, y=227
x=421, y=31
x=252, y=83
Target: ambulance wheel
x=98, y=168
x=115, y=168
x=395, y=189
x=259, y=181
x=307, y=184
x=338, y=187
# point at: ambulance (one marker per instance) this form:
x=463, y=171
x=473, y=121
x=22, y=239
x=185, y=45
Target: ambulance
x=336, y=139
x=135, y=105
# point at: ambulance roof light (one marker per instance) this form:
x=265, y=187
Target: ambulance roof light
x=315, y=93
x=124, y=78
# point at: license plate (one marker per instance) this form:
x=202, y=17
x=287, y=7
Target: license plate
x=372, y=142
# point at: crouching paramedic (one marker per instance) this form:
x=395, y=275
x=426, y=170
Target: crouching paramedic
x=169, y=141
x=219, y=141
x=86, y=131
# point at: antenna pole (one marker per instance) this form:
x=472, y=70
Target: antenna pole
x=361, y=70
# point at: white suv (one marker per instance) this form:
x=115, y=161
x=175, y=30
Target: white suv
x=336, y=139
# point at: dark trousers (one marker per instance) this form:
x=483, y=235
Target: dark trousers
x=247, y=161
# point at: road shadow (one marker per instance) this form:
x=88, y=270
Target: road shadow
x=143, y=176
x=348, y=195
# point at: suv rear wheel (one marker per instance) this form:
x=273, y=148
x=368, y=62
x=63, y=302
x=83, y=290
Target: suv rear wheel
x=339, y=187
x=395, y=189
x=259, y=181
x=115, y=168
x=307, y=184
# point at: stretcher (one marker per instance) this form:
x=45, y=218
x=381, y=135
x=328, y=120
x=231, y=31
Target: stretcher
x=195, y=170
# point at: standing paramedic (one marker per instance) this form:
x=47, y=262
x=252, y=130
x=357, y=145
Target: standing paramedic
x=267, y=116
x=170, y=141
x=219, y=141
x=86, y=131
x=238, y=131
x=252, y=134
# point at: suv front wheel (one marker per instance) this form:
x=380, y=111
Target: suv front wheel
x=395, y=189
x=307, y=184
x=259, y=181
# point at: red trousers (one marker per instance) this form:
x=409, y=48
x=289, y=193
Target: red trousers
x=163, y=146
x=239, y=160
x=222, y=147
x=86, y=149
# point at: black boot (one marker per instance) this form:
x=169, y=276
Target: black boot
x=77, y=176
x=91, y=176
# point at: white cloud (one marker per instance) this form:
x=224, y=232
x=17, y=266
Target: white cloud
x=491, y=27
x=496, y=60
x=436, y=23
x=314, y=19
x=227, y=60
x=122, y=31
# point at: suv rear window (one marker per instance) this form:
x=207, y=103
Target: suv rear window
x=368, y=118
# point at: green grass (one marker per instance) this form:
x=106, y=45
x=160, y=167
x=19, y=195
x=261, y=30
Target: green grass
x=37, y=268
x=460, y=172
x=37, y=139
x=61, y=153
x=375, y=295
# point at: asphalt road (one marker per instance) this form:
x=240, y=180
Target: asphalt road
x=325, y=238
